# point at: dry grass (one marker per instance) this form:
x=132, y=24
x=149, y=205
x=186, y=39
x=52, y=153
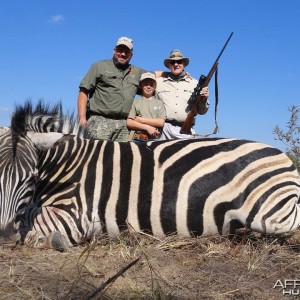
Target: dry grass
x=246, y=267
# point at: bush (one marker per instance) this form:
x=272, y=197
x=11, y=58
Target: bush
x=291, y=137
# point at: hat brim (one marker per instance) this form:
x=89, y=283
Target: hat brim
x=140, y=83
x=185, y=60
x=126, y=45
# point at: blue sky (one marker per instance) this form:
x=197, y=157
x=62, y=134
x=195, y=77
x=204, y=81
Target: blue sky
x=48, y=46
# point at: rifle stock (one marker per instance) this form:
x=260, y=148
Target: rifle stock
x=189, y=121
x=202, y=82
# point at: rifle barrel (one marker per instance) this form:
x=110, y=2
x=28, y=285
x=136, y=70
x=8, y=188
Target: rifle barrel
x=203, y=81
x=224, y=46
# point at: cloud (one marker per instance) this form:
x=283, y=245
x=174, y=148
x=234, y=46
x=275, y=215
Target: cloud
x=56, y=18
x=4, y=109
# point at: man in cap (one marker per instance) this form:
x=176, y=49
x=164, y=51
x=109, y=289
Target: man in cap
x=106, y=94
x=175, y=89
x=147, y=115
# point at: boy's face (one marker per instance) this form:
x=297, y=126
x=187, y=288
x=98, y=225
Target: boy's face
x=148, y=87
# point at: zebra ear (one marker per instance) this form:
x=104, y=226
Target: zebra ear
x=44, y=140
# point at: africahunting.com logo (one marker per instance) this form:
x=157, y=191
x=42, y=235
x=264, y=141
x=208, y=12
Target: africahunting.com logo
x=288, y=286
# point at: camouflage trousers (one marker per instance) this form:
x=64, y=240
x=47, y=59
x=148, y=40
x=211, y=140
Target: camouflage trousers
x=102, y=128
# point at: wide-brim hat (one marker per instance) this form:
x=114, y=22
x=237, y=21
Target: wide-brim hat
x=147, y=75
x=128, y=42
x=176, y=55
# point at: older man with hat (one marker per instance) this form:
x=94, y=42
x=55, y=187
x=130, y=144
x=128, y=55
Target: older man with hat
x=147, y=115
x=175, y=89
x=106, y=94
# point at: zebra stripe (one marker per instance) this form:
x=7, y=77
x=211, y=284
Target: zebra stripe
x=188, y=187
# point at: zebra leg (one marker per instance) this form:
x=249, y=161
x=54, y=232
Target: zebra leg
x=57, y=228
x=54, y=240
x=57, y=241
x=41, y=228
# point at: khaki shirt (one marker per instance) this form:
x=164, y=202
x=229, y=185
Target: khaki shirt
x=111, y=90
x=148, y=108
x=175, y=96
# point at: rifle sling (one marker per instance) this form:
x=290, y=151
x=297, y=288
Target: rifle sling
x=216, y=102
x=216, y=130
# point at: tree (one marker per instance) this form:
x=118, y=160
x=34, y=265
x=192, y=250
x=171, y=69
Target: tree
x=291, y=137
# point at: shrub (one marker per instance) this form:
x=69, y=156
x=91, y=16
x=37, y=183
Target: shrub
x=291, y=137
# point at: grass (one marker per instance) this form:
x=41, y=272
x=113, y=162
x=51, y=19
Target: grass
x=215, y=267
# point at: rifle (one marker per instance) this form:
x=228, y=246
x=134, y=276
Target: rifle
x=203, y=82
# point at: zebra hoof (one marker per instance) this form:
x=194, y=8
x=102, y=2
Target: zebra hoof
x=57, y=241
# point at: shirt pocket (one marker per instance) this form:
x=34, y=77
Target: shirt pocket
x=163, y=92
x=108, y=80
x=188, y=92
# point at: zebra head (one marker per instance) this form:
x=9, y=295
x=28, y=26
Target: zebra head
x=30, y=131
x=17, y=174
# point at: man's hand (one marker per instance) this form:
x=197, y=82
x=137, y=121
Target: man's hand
x=204, y=92
x=82, y=121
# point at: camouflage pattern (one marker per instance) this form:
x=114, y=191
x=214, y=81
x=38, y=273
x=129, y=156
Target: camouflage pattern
x=102, y=128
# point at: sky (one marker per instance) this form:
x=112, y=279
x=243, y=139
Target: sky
x=47, y=46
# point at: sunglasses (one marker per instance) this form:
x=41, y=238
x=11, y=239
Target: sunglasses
x=179, y=62
x=122, y=49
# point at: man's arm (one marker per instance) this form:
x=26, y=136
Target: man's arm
x=81, y=105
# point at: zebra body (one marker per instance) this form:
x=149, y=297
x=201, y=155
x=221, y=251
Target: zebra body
x=80, y=187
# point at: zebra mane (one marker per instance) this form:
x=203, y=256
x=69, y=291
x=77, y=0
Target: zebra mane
x=42, y=118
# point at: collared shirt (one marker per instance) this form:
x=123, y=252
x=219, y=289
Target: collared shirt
x=148, y=108
x=175, y=96
x=111, y=90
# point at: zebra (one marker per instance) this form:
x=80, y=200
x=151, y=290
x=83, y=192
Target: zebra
x=58, y=188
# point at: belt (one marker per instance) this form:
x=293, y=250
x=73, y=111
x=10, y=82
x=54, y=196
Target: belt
x=174, y=123
x=115, y=117
x=177, y=123
x=141, y=136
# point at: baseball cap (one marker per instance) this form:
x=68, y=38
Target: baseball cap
x=125, y=41
x=147, y=75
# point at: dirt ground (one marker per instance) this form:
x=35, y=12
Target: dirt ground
x=137, y=266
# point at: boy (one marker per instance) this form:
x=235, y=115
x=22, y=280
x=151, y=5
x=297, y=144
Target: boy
x=147, y=115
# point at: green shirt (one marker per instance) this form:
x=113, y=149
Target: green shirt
x=111, y=90
x=148, y=108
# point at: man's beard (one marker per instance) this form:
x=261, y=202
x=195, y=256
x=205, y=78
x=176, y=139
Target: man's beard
x=122, y=66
